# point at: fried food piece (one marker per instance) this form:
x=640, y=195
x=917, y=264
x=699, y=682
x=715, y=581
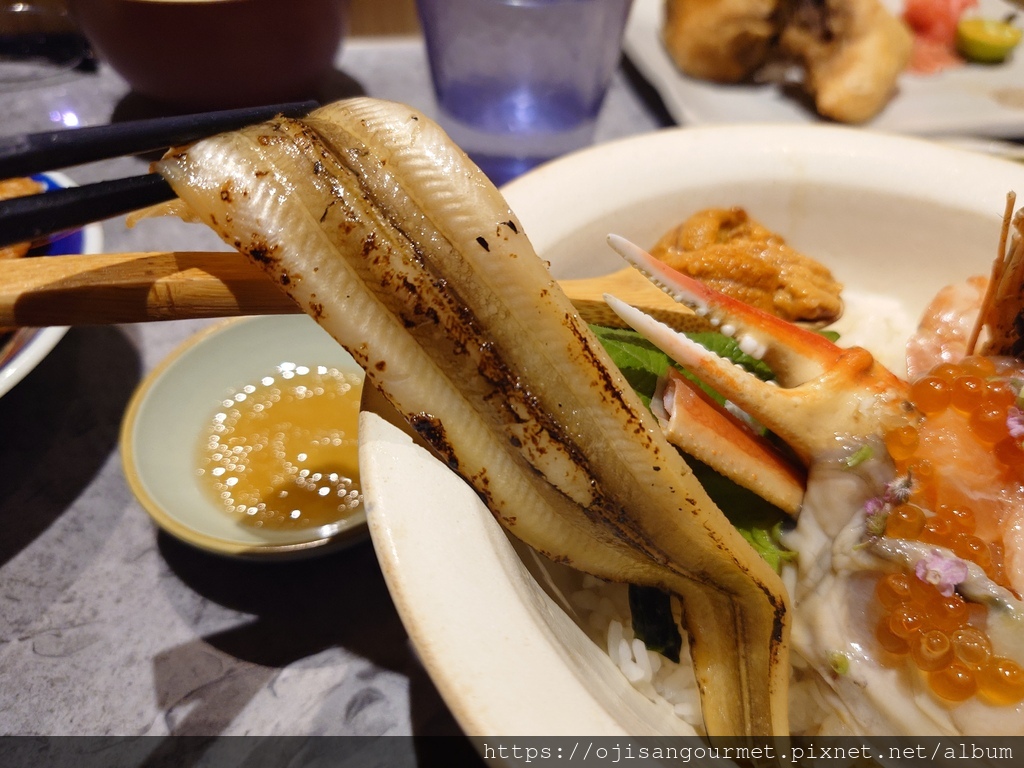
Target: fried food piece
x=736, y=255
x=849, y=53
x=721, y=40
x=852, y=52
x=17, y=187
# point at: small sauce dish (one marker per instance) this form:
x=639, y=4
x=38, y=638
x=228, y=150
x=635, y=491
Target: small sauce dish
x=243, y=441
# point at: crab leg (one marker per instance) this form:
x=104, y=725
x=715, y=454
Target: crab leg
x=695, y=423
x=824, y=392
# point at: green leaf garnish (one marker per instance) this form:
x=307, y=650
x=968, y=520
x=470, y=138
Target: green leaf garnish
x=758, y=521
x=727, y=347
x=859, y=456
x=839, y=662
x=643, y=364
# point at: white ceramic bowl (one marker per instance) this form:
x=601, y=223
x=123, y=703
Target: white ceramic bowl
x=894, y=216
x=171, y=410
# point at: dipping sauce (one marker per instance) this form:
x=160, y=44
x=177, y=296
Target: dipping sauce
x=281, y=453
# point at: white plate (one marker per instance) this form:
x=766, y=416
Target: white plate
x=171, y=410
x=893, y=215
x=972, y=100
x=24, y=349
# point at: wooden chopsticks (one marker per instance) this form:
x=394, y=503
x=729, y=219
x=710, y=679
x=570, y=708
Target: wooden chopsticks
x=37, y=216
x=134, y=287
x=173, y=285
x=138, y=287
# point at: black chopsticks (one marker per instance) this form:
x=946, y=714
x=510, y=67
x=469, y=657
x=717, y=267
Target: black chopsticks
x=34, y=217
x=37, y=216
x=37, y=152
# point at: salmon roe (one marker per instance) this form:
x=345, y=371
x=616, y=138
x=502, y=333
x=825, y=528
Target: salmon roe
x=973, y=390
x=932, y=632
x=929, y=630
x=930, y=394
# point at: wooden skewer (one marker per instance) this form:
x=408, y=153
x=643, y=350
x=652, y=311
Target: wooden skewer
x=587, y=295
x=170, y=285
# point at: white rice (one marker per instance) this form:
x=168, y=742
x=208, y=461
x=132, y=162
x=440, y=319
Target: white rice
x=605, y=611
x=880, y=324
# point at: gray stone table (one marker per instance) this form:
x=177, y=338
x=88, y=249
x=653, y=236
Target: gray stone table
x=110, y=627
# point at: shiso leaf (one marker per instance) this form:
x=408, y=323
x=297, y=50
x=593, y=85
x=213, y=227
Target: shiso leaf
x=643, y=364
x=640, y=361
x=759, y=522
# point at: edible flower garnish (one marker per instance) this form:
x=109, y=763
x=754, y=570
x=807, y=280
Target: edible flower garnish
x=1015, y=422
x=941, y=571
x=877, y=508
x=876, y=511
x=898, y=491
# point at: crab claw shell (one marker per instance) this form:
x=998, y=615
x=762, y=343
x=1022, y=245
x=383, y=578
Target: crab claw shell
x=824, y=393
x=695, y=423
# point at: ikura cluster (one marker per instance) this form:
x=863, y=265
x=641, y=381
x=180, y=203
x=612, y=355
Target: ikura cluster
x=935, y=632
x=982, y=392
x=972, y=420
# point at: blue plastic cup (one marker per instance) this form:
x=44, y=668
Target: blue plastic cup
x=521, y=81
